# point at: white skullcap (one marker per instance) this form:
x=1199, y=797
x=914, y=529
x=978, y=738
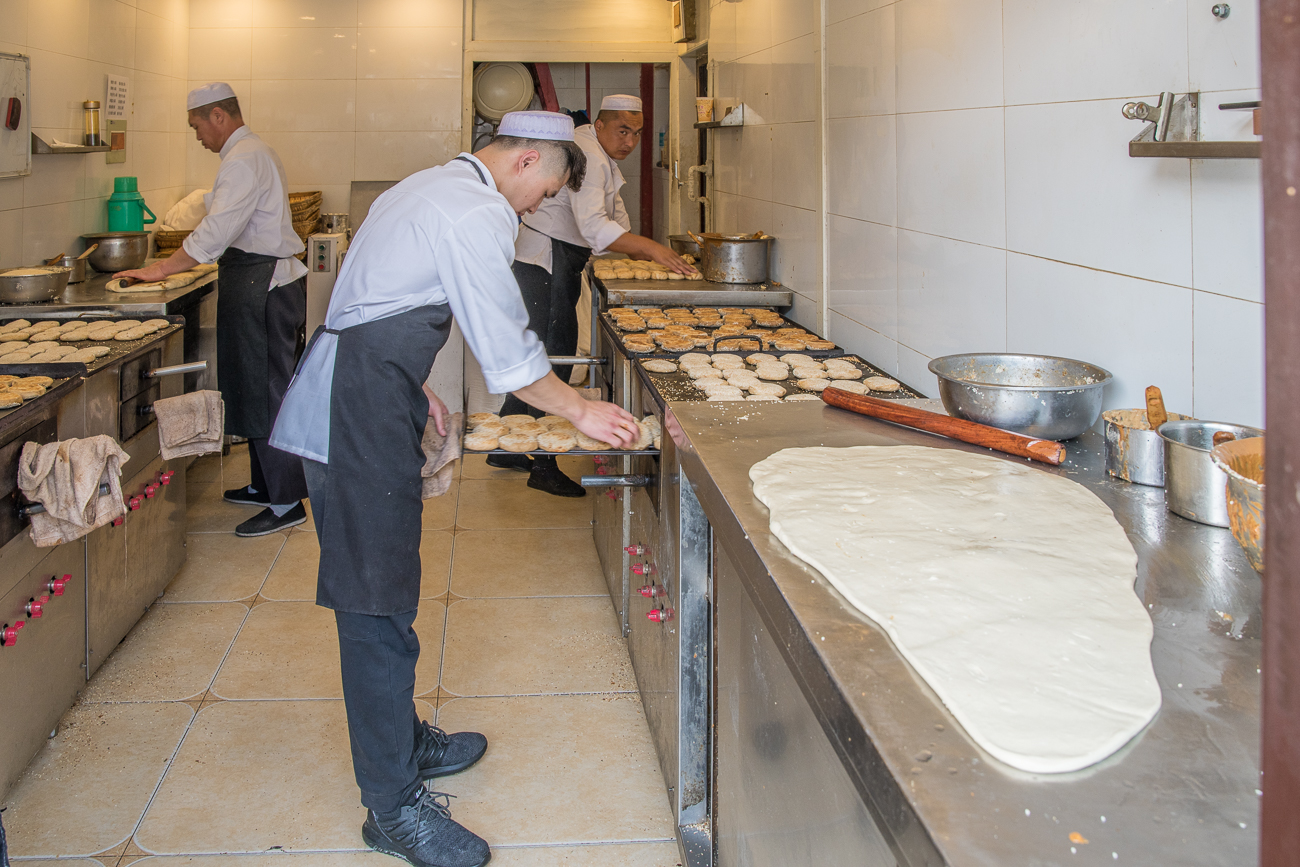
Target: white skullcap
x=620, y=102
x=208, y=94
x=550, y=125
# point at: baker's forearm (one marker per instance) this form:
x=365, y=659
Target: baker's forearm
x=552, y=396
x=163, y=268
x=643, y=248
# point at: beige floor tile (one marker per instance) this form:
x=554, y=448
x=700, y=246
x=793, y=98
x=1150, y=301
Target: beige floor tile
x=231, y=468
x=534, y=647
x=206, y=512
x=497, y=505
x=313, y=859
x=290, y=650
x=622, y=854
x=440, y=512
x=221, y=568
x=526, y=563
x=294, y=575
x=475, y=467
x=256, y=775
x=171, y=654
x=62, y=862
x=591, y=754
x=87, y=788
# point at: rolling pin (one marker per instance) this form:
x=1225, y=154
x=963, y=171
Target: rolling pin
x=1046, y=451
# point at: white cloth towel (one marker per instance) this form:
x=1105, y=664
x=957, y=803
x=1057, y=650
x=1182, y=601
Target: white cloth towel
x=64, y=477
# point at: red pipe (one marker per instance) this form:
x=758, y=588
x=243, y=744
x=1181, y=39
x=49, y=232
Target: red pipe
x=648, y=145
x=590, y=117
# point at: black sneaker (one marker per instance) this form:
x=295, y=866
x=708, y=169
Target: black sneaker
x=246, y=496
x=510, y=462
x=426, y=836
x=551, y=480
x=265, y=522
x=440, y=754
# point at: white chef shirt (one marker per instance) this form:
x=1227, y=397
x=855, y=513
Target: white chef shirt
x=593, y=217
x=248, y=208
x=441, y=236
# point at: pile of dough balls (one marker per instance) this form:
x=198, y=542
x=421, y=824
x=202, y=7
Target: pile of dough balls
x=22, y=342
x=636, y=269
x=762, y=376
x=486, y=431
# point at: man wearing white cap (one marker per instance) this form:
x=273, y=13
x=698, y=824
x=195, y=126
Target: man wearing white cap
x=554, y=247
x=261, y=298
x=438, y=245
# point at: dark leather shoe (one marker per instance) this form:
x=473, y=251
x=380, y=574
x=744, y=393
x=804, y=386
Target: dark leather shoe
x=265, y=522
x=551, y=480
x=426, y=835
x=510, y=462
x=245, y=496
x=440, y=754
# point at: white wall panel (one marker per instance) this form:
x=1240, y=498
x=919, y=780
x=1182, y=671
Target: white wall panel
x=950, y=175
x=952, y=296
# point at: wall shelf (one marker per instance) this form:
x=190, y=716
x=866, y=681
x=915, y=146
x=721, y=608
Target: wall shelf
x=1174, y=130
x=40, y=146
x=1196, y=150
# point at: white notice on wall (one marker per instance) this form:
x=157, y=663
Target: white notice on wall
x=117, y=101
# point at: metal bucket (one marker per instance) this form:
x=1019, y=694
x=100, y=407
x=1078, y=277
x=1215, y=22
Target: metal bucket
x=684, y=245
x=735, y=258
x=78, y=266
x=1134, y=452
x=1243, y=463
x=1194, y=487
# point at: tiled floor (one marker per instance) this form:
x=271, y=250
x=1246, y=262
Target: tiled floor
x=215, y=735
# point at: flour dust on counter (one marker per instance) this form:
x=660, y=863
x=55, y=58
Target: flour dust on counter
x=1008, y=589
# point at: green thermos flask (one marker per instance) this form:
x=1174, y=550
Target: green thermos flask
x=126, y=207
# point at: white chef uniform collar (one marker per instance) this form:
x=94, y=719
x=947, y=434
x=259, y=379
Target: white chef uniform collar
x=550, y=125
x=620, y=102
x=208, y=94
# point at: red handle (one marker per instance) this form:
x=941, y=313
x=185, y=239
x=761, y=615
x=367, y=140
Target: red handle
x=10, y=636
x=149, y=491
x=650, y=591
x=134, y=503
x=635, y=550
x=117, y=522
x=660, y=616
x=166, y=478
x=642, y=569
x=36, y=607
x=57, y=585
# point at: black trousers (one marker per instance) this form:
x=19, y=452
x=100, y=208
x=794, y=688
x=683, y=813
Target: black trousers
x=277, y=473
x=552, y=301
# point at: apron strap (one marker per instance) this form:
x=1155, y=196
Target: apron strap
x=475, y=167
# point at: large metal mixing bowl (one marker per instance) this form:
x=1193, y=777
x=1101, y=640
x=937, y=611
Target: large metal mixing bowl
x=37, y=283
x=118, y=251
x=1035, y=395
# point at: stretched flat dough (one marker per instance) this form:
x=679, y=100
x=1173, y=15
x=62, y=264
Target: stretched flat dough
x=1008, y=589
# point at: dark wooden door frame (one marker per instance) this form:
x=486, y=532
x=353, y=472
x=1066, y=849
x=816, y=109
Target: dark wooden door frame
x=1280, y=747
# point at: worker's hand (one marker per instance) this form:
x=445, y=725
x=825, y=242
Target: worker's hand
x=437, y=410
x=152, y=274
x=670, y=260
x=607, y=423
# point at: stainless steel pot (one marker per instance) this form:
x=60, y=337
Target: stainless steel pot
x=735, y=258
x=37, y=283
x=1135, y=452
x=1194, y=487
x=118, y=251
x=1035, y=395
x=331, y=223
x=684, y=245
x=77, y=266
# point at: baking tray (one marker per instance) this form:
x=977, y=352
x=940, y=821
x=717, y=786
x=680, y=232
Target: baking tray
x=691, y=293
x=607, y=321
x=118, y=349
x=678, y=386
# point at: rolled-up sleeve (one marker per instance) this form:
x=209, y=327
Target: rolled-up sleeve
x=590, y=214
x=474, y=264
x=234, y=199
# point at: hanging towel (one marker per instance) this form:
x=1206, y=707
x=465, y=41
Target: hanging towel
x=440, y=453
x=64, y=477
x=192, y=424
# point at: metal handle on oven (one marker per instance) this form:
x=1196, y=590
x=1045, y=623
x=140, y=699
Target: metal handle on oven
x=147, y=409
x=37, y=508
x=576, y=360
x=634, y=480
x=191, y=367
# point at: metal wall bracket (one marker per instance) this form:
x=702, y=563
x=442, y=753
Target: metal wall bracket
x=1174, y=130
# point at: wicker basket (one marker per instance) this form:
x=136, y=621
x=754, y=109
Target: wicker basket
x=304, y=228
x=302, y=204
x=169, y=240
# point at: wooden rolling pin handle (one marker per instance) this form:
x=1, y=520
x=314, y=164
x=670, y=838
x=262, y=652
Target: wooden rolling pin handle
x=1046, y=451
x=1156, y=412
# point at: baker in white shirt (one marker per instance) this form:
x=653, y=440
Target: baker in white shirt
x=554, y=246
x=437, y=245
x=261, y=299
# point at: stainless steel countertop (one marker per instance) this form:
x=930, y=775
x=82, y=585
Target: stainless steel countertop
x=1182, y=792
x=696, y=293
x=91, y=294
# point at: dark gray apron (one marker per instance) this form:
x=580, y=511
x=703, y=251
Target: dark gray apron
x=368, y=515
x=243, y=372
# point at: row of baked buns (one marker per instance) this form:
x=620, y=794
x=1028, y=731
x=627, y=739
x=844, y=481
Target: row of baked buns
x=486, y=431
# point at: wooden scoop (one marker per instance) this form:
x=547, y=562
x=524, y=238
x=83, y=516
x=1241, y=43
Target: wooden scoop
x=92, y=248
x=1156, y=412
x=1223, y=436
x=1047, y=451
x=54, y=260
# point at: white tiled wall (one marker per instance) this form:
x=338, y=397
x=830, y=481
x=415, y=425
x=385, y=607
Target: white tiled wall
x=980, y=195
x=74, y=45
x=344, y=90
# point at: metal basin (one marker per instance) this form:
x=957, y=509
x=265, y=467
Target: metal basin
x=1194, y=487
x=1135, y=452
x=118, y=251
x=37, y=283
x=1243, y=463
x=735, y=258
x=78, y=266
x=1035, y=395
x=684, y=245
